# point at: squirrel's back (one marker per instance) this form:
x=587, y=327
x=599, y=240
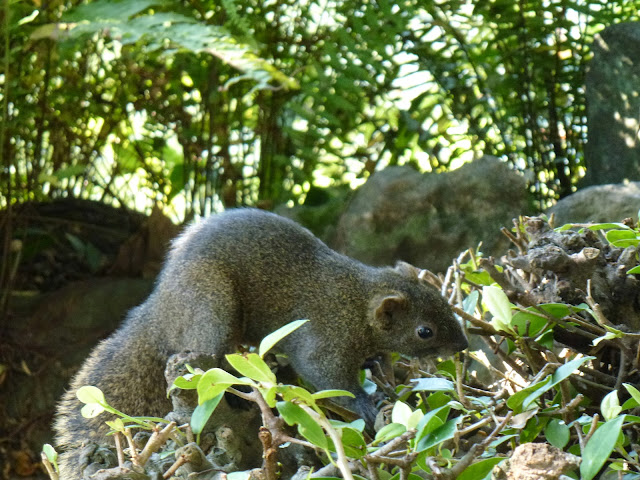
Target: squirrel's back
x=274, y=270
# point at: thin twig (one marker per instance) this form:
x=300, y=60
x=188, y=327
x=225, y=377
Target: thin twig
x=158, y=439
x=592, y=429
x=181, y=460
x=117, y=438
x=475, y=451
x=133, y=451
x=53, y=475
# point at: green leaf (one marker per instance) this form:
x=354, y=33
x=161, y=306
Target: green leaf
x=108, y=10
x=431, y=421
x=291, y=393
x=498, y=304
x=441, y=434
x=187, y=382
x=434, y=384
x=634, y=270
x=557, y=433
x=401, y=413
x=607, y=336
x=532, y=317
x=389, y=432
x=332, y=393
x=610, y=406
x=51, y=455
x=295, y=415
x=91, y=410
x=599, y=447
x=607, y=226
x=622, y=238
x=479, y=470
x=270, y=340
x=203, y=412
x=470, y=303
x=352, y=442
x=215, y=381
x=90, y=394
x=252, y=366
x=270, y=396
x=633, y=391
x=521, y=400
x=116, y=425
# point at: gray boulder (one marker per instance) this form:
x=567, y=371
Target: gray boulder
x=428, y=219
x=600, y=203
x=612, y=153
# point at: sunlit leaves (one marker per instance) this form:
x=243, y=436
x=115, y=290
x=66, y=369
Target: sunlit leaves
x=599, y=447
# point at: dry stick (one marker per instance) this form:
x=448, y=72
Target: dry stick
x=182, y=459
x=157, y=440
x=606, y=380
x=592, y=429
x=499, y=277
x=270, y=454
x=595, y=307
x=53, y=475
x=392, y=445
x=622, y=371
x=120, y=453
x=475, y=451
x=459, y=377
x=373, y=471
x=189, y=433
x=382, y=455
x=595, y=330
x=475, y=426
x=568, y=408
x=269, y=420
x=507, y=359
x=486, y=326
x=462, y=374
x=132, y=447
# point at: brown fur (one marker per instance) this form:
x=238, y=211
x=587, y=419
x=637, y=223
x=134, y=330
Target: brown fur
x=233, y=279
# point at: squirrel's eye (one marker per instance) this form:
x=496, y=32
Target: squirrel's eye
x=424, y=332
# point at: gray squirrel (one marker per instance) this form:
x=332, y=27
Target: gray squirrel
x=231, y=280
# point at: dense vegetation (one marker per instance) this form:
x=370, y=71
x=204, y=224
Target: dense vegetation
x=549, y=381
x=199, y=104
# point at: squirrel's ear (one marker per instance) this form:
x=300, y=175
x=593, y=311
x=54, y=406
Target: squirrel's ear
x=385, y=308
x=407, y=269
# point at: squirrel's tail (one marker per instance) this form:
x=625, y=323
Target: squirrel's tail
x=70, y=464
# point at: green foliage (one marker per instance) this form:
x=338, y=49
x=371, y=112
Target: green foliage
x=51, y=455
x=95, y=404
x=201, y=105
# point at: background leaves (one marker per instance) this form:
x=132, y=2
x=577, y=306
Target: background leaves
x=201, y=105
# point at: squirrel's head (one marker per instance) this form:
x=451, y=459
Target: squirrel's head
x=412, y=318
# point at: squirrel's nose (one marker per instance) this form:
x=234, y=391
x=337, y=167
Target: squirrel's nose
x=461, y=342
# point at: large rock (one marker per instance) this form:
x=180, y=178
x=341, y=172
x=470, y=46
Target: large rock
x=428, y=219
x=600, y=203
x=612, y=153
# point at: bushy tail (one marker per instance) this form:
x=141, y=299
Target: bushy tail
x=71, y=464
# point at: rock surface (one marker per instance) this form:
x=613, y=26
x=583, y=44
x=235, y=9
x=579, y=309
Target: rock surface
x=612, y=152
x=600, y=203
x=428, y=219
x=536, y=461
